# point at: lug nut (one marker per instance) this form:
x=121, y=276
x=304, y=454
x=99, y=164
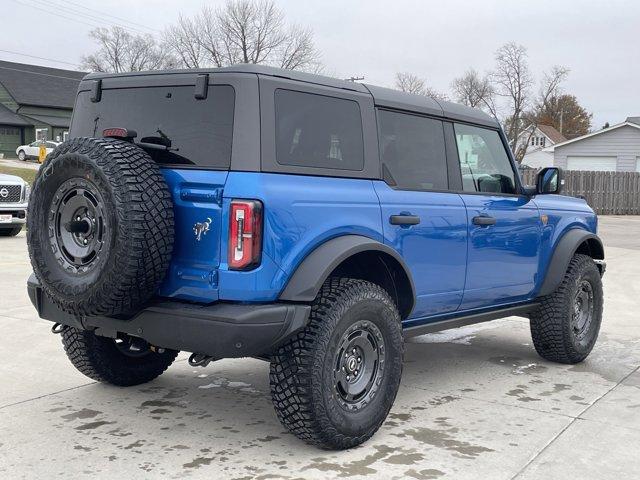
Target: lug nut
x=355, y=373
x=359, y=359
x=348, y=378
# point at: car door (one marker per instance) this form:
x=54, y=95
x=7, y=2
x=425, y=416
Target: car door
x=32, y=149
x=504, y=225
x=421, y=219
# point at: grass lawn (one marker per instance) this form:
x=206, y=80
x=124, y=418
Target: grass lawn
x=28, y=174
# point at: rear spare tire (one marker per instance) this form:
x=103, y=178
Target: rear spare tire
x=100, y=227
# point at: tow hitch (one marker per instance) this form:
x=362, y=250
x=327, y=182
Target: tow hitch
x=201, y=360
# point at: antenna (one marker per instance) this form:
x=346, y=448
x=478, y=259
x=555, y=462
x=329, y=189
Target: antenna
x=354, y=79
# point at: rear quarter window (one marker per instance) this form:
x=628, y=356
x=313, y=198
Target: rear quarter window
x=318, y=131
x=200, y=131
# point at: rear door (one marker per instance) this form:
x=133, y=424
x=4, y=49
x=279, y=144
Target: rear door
x=165, y=111
x=422, y=220
x=504, y=226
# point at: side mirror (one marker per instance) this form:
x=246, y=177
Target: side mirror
x=549, y=180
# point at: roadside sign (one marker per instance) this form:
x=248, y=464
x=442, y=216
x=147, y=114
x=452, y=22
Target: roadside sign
x=42, y=152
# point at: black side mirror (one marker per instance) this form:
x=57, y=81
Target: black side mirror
x=549, y=180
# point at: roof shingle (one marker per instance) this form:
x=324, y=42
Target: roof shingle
x=552, y=133
x=40, y=86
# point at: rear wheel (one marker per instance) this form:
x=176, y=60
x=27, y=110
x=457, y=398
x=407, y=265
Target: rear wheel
x=10, y=232
x=124, y=361
x=566, y=326
x=333, y=384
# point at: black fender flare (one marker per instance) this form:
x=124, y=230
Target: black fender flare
x=564, y=251
x=311, y=273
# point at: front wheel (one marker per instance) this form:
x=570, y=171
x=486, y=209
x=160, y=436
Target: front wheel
x=565, y=327
x=124, y=361
x=334, y=383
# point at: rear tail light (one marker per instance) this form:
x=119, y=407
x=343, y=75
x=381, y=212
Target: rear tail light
x=245, y=234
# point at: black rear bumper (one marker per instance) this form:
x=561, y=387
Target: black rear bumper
x=222, y=330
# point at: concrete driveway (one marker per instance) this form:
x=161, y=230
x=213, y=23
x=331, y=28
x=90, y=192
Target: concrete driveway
x=476, y=402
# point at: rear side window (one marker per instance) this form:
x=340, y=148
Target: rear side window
x=484, y=162
x=200, y=131
x=318, y=131
x=412, y=151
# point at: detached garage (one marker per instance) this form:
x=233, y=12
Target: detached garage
x=595, y=164
x=612, y=149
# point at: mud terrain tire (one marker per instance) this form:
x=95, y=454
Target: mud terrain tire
x=100, y=227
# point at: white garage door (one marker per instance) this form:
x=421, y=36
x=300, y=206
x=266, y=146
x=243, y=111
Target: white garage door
x=598, y=164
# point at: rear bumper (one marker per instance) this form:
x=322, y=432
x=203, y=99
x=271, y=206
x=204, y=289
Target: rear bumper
x=222, y=330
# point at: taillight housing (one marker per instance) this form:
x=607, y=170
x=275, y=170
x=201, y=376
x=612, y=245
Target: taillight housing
x=245, y=234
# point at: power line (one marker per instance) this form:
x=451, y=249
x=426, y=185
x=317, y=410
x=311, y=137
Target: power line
x=112, y=16
x=87, y=19
x=83, y=22
x=101, y=20
x=39, y=58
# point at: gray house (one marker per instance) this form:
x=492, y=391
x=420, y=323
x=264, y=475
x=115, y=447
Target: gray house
x=35, y=103
x=616, y=148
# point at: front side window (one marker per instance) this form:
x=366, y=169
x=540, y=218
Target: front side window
x=318, y=131
x=412, y=151
x=484, y=162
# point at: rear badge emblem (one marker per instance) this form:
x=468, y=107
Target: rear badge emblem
x=201, y=228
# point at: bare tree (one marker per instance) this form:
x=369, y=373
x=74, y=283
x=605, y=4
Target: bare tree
x=243, y=31
x=410, y=83
x=474, y=91
x=179, y=38
x=513, y=81
x=550, y=88
x=121, y=51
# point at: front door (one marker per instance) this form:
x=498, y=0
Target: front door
x=424, y=222
x=504, y=226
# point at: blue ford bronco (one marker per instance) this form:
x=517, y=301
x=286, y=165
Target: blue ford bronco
x=312, y=222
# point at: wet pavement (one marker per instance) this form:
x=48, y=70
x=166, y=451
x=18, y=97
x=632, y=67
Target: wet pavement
x=475, y=402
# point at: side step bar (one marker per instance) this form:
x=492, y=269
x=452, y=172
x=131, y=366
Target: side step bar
x=462, y=321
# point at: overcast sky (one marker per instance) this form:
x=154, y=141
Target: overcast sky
x=437, y=40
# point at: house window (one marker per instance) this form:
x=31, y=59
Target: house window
x=542, y=141
x=533, y=141
x=42, y=134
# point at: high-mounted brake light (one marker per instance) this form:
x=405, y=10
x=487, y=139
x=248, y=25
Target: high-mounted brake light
x=245, y=234
x=119, y=133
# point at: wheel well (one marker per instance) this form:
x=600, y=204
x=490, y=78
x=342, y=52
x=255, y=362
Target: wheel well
x=591, y=247
x=384, y=270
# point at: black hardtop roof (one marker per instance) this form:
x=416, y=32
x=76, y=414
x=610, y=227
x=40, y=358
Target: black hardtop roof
x=383, y=97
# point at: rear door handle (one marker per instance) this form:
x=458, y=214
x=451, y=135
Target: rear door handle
x=484, y=221
x=404, y=220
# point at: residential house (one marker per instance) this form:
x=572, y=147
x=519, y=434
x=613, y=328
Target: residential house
x=616, y=148
x=35, y=103
x=537, y=145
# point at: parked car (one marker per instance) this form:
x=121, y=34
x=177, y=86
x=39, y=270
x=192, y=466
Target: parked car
x=311, y=222
x=32, y=150
x=14, y=196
